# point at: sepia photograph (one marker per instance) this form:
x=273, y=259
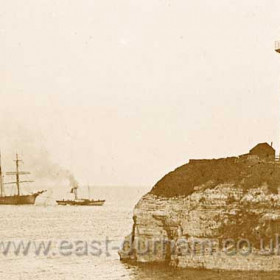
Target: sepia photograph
x=139, y=140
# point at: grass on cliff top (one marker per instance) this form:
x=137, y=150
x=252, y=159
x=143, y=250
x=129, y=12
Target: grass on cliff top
x=183, y=180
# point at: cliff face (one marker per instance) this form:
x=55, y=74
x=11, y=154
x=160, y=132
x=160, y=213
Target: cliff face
x=214, y=214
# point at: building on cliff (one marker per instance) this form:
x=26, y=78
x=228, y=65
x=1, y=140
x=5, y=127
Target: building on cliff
x=263, y=151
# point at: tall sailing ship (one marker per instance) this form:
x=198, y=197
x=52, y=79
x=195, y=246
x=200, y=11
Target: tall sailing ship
x=18, y=198
x=80, y=201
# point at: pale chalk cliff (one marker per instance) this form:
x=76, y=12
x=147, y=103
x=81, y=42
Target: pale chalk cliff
x=212, y=214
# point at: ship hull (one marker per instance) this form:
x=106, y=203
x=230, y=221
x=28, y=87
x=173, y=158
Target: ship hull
x=19, y=199
x=81, y=202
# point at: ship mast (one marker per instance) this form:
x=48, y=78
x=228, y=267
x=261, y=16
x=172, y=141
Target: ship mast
x=17, y=173
x=1, y=178
x=76, y=193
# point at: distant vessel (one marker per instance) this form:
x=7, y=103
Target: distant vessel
x=81, y=201
x=17, y=199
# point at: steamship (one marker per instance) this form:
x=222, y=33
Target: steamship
x=80, y=201
x=18, y=198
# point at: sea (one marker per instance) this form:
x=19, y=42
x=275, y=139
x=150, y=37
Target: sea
x=51, y=242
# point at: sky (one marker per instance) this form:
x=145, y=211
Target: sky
x=122, y=92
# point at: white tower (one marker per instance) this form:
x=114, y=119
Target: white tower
x=277, y=46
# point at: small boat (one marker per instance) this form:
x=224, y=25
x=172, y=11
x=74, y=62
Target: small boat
x=18, y=198
x=80, y=201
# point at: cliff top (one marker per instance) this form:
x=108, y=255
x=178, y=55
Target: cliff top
x=246, y=171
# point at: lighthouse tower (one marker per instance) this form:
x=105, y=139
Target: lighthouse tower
x=277, y=49
x=277, y=46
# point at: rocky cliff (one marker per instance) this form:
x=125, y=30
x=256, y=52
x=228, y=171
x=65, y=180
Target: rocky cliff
x=214, y=214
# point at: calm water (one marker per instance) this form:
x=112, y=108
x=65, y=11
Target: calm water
x=87, y=224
